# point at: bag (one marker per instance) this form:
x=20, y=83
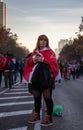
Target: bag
x=58, y=110
x=41, y=76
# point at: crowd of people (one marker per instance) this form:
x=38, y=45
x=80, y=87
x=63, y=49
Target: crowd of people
x=9, y=69
x=68, y=71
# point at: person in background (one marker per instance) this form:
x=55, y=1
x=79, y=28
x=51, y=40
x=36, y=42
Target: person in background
x=77, y=70
x=1, y=67
x=21, y=68
x=73, y=70
x=42, y=57
x=15, y=73
x=8, y=71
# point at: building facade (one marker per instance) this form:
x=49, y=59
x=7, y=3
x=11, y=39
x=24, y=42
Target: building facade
x=2, y=14
x=61, y=44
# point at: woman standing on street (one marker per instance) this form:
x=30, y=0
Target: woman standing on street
x=42, y=62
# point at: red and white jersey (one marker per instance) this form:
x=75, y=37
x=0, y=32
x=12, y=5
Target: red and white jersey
x=49, y=58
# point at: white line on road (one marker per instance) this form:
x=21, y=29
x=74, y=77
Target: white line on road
x=80, y=80
x=17, y=97
x=4, y=91
x=16, y=103
x=15, y=113
x=16, y=93
x=20, y=128
x=19, y=89
x=37, y=126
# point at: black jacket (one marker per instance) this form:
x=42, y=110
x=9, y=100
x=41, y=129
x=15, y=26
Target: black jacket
x=41, y=78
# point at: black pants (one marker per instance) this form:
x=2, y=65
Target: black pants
x=8, y=76
x=47, y=94
x=21, y=75
x=1, y=73
x=73, y=74
x=15, y=75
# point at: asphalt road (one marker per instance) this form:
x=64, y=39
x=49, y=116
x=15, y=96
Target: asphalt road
x=16, y=107
x=70, y=94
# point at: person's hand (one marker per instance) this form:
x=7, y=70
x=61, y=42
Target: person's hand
x=38, y=58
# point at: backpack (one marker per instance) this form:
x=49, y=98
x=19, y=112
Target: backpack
x=41, y=77
x=11, y=65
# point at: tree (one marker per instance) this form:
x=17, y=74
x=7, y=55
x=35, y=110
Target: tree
x=73, y=51
x=8, y=43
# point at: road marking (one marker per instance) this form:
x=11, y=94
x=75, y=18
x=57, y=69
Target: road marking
x=15, y=113
x=37, y=126
x=16, y=103
x=17, y=83
x=16, y=93
x=4, y=91
x=80, y=80
x=20, y=89
x=20, y=86
x=20, y=128
x=18, y=97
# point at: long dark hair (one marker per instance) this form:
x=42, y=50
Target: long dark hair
x=40, y=38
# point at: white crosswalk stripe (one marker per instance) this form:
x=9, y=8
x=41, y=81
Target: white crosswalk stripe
x=16, y=103
x=20, y=128
x=19, y=89
x=18, y=97
x=6, y=114
x=9, y=93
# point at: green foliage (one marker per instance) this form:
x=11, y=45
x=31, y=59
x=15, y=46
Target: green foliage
x=73, y=51
x=8, y=43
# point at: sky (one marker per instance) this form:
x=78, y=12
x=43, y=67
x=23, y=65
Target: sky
x=58, y=19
